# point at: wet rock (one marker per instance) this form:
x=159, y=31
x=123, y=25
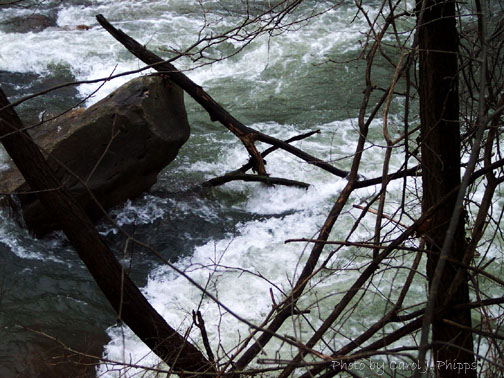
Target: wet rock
x=118, y=146
x=30, y=23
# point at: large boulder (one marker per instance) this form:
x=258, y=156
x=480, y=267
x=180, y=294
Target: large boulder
x=116, y=148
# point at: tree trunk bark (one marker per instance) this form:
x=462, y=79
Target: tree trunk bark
x=440, y=148
x=124, y=296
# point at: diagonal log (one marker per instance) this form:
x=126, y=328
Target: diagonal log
x=238, y=176
x=121, y=292
x=246, y=134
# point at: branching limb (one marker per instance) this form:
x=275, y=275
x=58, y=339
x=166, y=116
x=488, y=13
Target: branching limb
x=237, y=176
x=200, y=323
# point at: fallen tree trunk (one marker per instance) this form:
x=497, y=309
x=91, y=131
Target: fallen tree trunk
x=122, y=293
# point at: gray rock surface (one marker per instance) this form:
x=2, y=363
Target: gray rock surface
x=117, y=146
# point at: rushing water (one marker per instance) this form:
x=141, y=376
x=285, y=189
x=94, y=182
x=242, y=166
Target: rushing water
x=283, y=86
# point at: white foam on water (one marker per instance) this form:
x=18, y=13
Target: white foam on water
x=232, y=265
x=93, y=53
x=129, y=214
x=241, y=269
x=147, y=214
x=21, y=243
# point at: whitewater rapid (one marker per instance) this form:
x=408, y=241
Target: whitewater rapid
x=232, y=238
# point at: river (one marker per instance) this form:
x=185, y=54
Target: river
x=231, y=238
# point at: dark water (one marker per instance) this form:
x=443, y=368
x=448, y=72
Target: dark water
x=29, y=299
x=50, y=290
x=16, y=85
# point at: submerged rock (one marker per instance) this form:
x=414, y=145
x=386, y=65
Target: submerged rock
x=30, y=23
x=117, y=146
